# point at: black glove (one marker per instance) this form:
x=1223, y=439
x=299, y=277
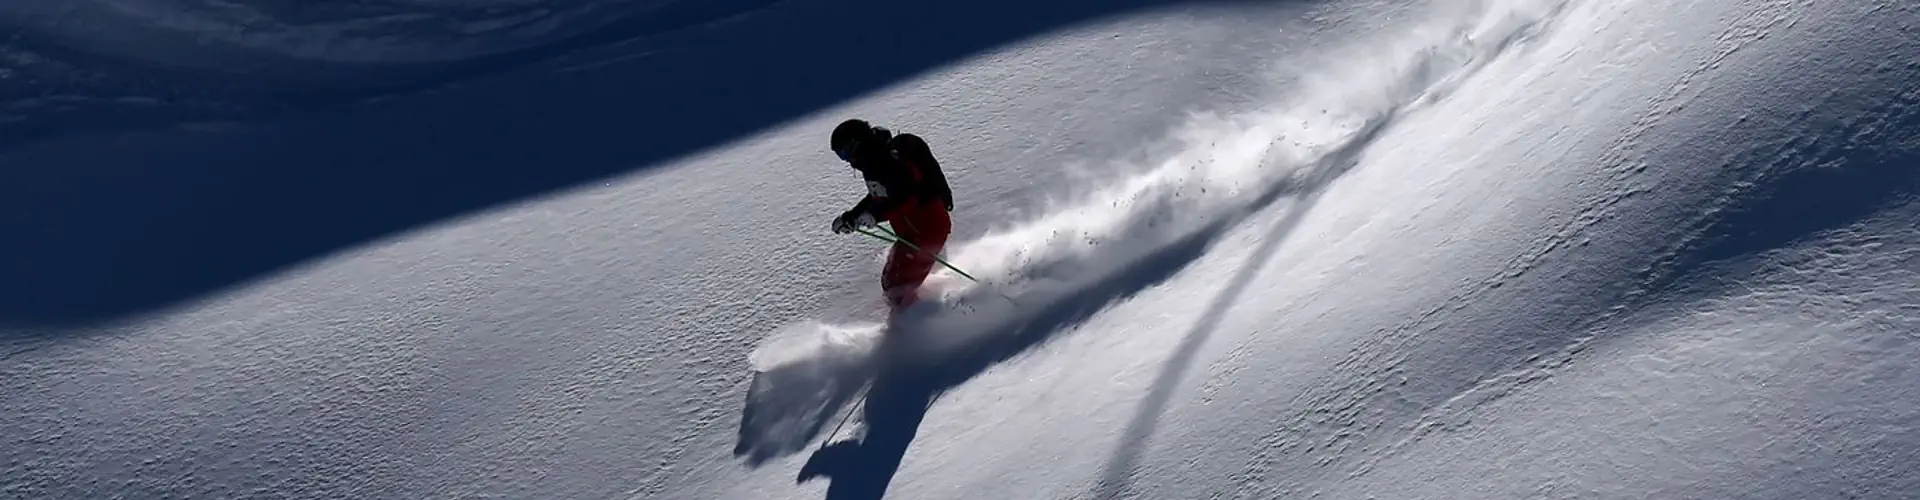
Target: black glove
x=847, y=222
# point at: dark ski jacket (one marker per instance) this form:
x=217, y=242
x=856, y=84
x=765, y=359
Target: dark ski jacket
x=903, y=179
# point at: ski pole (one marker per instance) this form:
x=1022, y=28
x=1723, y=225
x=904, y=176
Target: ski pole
x=895, y=238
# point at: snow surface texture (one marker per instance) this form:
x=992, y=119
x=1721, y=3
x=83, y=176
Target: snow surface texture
x=1492, y=249
x=72, y=66
x=256, y=142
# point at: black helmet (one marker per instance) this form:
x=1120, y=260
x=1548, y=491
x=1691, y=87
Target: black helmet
x=849, y=134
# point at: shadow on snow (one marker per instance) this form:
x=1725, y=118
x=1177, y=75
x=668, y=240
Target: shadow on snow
x=107, y=221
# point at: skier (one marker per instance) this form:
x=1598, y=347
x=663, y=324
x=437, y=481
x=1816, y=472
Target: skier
x=905, y=189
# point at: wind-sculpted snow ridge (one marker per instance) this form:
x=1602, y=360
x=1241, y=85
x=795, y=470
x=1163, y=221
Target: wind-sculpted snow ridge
x=1102, y=246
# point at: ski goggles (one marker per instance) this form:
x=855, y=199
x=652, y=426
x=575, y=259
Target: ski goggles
x=846, y=152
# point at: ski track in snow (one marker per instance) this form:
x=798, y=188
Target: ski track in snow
x=1098, y=248
x=1328, y=420
x=1336, y=424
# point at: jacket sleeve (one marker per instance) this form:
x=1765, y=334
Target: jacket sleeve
x=884, y=195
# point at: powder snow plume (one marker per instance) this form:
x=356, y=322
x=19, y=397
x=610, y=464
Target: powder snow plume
x=1108, y=243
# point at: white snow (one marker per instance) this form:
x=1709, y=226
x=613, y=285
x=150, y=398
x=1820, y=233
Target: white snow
x=1486, y=249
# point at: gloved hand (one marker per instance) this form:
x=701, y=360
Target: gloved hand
x=847, y=222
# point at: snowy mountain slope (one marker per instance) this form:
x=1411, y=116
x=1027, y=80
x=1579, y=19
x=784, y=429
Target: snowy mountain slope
x=1487, y=249
x=1286, y=412
x=257, y=144
x=1736, y=150
x=1765, y=351
x=571, y=346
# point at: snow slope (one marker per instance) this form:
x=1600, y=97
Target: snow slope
x=1491, y=249
x=250, y=132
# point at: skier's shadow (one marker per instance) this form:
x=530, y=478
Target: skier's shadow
x=863, y=468
x=901, y=393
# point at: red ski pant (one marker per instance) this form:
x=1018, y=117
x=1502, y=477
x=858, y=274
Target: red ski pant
x=907, y=266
